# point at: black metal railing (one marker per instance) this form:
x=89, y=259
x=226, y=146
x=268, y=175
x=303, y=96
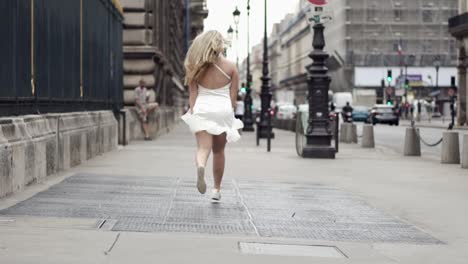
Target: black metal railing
x=60, y=56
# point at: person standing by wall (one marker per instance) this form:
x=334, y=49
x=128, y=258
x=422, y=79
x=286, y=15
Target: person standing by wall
x=144, y=108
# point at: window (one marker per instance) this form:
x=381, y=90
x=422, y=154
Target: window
x=372, y=12
x=428, y=16
x=427, y=46
x=397, y=14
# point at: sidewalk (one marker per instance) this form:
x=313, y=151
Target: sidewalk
x=374, y=206
x=435, y=123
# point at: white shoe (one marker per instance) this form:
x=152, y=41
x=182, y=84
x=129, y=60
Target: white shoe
x=201, y=184
x=215, y=196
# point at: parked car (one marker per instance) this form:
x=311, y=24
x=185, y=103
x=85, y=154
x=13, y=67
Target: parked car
x=383, y=114
x=360, y=114
x=286, y=112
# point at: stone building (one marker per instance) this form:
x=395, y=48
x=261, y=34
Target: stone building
x=156, y=37
x=373, y=35
x=459, y=29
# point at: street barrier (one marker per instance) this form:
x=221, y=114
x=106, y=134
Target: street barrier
x=348, y=133
x=368, y=137
x=450, y=148
x=412, y=143
x=465, y=152
x=354, y=135
x=345, y=127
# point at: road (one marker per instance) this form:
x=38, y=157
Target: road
x=393, y=137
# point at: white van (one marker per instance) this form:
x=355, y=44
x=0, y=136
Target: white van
x=340, y=100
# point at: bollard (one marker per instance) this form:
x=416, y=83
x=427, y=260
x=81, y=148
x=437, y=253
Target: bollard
x=349, y=134
x=412, y=144
x=354, y=134
x=344, y=131
x=450, y=148
x=465, y=152
x=368, y=137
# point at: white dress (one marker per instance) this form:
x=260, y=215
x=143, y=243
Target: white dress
x=213, y=112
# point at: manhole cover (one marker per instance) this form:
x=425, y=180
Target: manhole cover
x=290, y=250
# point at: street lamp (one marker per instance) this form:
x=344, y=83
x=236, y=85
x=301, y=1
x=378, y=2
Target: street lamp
x=230, y=33
x=236, y=15
x=248, y=119
x=264, y=127
x=318, y=83
x=437, y=67
x=409, y=60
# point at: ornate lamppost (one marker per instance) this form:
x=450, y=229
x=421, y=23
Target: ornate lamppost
x=248, y=119
x=408, y=61
x=318, y=132
x=437, y=64
x=236, y=15
x=230, y=31
x=264, y=127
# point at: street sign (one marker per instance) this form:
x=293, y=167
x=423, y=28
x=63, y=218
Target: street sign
x=389, y=90
x=451, y=92
x=318, y=2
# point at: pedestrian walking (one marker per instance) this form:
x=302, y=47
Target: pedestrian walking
x=406, y=110
x=144, y=108
x=419, y=110
x=213, y=84
x=412, y=111
x=240, y=108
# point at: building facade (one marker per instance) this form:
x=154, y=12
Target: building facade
x=459, y=29
x=156, y=37
x=372, y=34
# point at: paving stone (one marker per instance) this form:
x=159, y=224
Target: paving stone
x=276, y=210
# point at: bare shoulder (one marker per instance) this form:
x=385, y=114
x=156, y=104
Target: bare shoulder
x=228, y=65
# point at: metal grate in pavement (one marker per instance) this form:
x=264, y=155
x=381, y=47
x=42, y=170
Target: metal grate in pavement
x=277, y=210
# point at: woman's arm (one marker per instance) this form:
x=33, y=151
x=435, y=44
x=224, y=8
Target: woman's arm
x=193, y=93
x=234, y=88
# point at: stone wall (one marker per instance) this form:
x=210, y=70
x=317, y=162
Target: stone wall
x=160, y=122
x=36, y=146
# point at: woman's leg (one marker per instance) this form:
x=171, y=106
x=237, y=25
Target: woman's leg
x=219, y=143
x=205, y=144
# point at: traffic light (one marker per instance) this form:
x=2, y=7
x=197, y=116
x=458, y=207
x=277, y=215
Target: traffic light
x=243, y=88
x=406, y=84
x=389, y=102
x=452, y=81
x=389, y=76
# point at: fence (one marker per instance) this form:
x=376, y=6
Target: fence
x=60, y=56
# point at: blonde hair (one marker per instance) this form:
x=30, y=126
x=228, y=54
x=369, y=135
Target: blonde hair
x=203, y=52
